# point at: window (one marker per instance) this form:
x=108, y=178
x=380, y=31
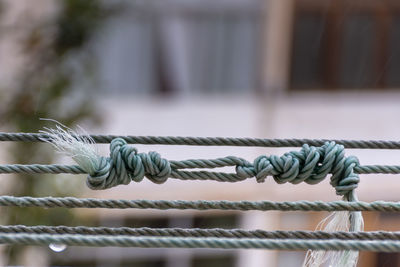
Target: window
x=307, y=62
x=223, y=261
x=340, y=44
x=356, y=52
x=392, y=78
x=181, y=48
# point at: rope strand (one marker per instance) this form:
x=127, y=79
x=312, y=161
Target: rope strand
x=75, y=169
x=212, y=141
x=202, y=205
x=316, y=159
x=197, y=232
x=188, y=242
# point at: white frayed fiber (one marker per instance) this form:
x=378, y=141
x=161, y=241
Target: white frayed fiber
x=336, y=221
x=76, y=144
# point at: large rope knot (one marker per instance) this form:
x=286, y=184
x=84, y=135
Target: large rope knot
x=125, y=164
x=310, y=165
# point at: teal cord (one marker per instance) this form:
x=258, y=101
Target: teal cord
x=310, y=165
x=190, y=242
x=316, y=159
x=227, y=177
x=72, y=202
x=198, y=232
x=212, y=141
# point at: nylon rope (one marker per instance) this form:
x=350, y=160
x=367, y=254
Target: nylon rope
x=201, y=205
x=201, y=242
x=316, y=159
x=212, y=141
x=198, y=232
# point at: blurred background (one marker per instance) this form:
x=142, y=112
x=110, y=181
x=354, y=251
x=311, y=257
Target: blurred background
x=255, y=68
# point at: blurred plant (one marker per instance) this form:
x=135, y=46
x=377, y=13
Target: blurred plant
x=57, y=58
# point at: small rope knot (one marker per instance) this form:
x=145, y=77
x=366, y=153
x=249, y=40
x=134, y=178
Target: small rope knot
x=310, y=165
x=350, y=181
x=125, y=164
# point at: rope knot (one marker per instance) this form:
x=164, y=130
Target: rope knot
x=310, y=165
x=125, y=164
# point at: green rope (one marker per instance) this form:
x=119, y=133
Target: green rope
x=71, y=202
x=316, y=159
x=188, y=242
x=197, y=232
x=310, y=165
x=75, y=169
x=212, y=141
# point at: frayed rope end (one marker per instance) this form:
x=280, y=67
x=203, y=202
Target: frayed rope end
x=76, y=144
x=337, y=221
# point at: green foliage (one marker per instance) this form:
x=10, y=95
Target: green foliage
x=76, y=24
x=58, y=58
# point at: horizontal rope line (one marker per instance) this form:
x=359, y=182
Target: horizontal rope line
x=71, y=202
x=182, y=175
x=197, y=232
x=213, y=141
x=188, y=242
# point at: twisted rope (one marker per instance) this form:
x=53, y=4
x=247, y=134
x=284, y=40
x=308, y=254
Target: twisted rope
x=125, y=164
x=197, y=232
x=75, y=169
x=212, y=141
x=310, y=165
x=71, y=202
x=188, y=242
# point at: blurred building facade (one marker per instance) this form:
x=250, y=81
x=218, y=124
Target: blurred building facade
x=260, y=68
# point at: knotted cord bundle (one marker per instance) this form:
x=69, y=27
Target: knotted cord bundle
x=311, y=164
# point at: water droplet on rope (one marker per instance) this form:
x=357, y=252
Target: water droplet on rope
x=57, y=247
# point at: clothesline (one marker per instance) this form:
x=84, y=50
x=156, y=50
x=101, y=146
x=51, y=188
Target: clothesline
x=212, y=141
x=316, y=159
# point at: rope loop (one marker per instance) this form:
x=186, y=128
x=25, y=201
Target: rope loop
x=125, y=164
